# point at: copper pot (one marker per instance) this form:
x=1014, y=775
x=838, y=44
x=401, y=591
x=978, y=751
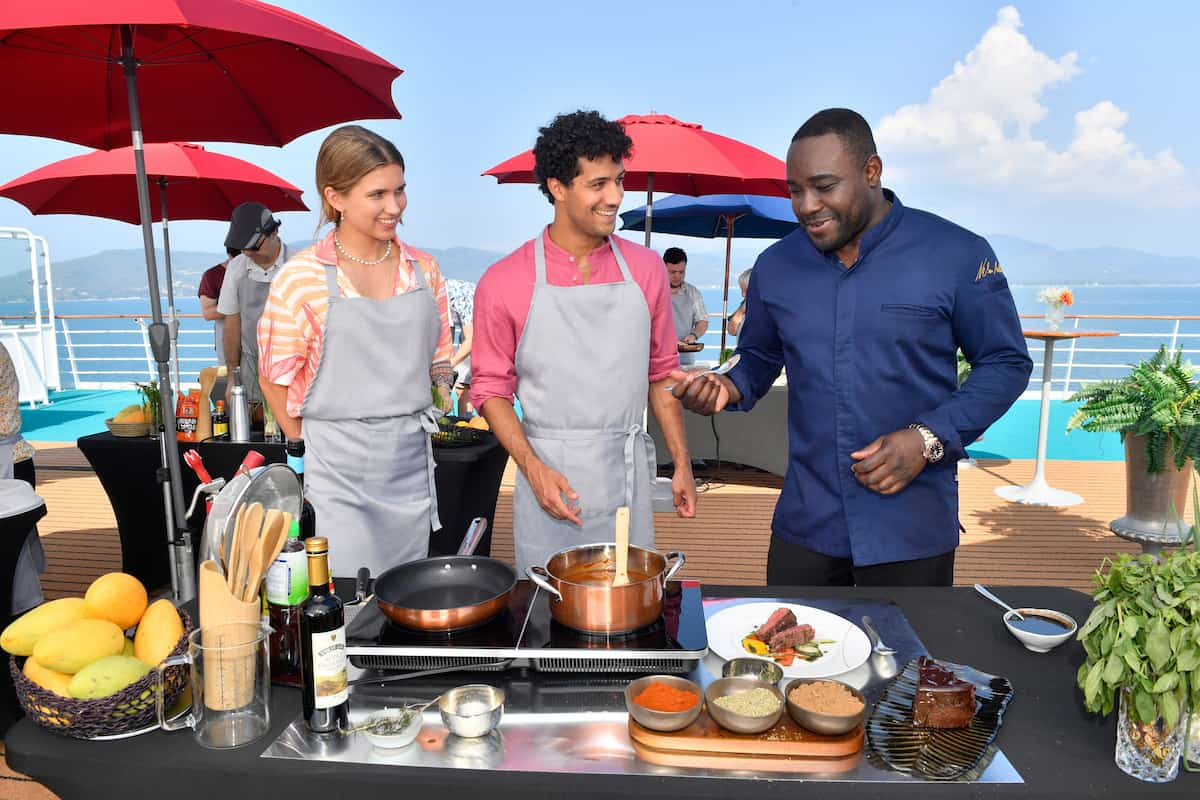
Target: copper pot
x=582, y=597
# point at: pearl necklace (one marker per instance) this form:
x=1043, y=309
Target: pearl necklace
x=386, y=253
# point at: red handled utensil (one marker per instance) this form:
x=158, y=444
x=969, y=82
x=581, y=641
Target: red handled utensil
x=192, y=457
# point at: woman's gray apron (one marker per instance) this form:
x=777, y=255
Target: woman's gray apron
x=582, y=366
x=252, y=299
x=367, y=417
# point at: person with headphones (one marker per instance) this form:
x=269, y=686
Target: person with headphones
x=253, y=231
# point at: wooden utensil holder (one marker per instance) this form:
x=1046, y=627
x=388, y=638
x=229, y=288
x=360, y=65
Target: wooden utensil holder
x=229, y=675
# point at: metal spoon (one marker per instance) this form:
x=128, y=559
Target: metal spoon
x=879, y=647
x=720, y=369
x=979, y=588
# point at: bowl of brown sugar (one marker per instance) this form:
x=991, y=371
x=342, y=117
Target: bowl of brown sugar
x=823, y=706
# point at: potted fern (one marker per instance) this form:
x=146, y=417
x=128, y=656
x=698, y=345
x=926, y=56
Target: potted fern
x=1156, y=410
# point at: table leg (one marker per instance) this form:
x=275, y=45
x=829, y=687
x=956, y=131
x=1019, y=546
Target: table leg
x=1037, y=492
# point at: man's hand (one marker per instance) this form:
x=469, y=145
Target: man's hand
x=683, y=487
x=891, y=462
x=550, y=488
x=704, y=392
x=690, y=338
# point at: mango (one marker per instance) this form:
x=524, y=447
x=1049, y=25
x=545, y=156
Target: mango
x=158, y=632
x=118, y=598
x=48, y=679
x=77, y=644
x=106, y=676
x=20, y=637
x=479, y=423
x=128, y=649
x=131, y=414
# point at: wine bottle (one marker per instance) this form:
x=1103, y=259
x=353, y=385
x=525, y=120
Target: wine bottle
x=326, y=696
x=295, y=459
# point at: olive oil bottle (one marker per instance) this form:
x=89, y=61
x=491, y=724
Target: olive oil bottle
x=326, y=695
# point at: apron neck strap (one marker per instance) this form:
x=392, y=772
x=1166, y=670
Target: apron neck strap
x=331, y=284
x=539, y=259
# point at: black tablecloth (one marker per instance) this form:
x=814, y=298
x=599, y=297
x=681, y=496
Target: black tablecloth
x=1059, y=749
x=467, y=477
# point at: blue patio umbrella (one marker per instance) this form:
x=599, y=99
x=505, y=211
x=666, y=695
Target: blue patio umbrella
x=745, y=216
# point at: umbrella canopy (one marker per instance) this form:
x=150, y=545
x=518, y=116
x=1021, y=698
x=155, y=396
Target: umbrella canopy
x=740, y=215
x=728, y=215
x=209, y=70
x=216, y=70
x=201, y=184
x=681, y=157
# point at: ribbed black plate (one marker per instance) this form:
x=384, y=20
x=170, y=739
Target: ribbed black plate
x=938, y=754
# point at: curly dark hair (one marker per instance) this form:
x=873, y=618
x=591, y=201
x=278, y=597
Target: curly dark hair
x=570, y=136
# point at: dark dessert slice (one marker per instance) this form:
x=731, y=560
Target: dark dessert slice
x=780, y=618
x=943, y=700
x=791, y=637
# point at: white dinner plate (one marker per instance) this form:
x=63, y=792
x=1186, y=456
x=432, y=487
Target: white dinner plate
x=850, y=648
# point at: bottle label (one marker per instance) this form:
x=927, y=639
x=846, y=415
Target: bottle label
x=287, y=579
x=329, y=668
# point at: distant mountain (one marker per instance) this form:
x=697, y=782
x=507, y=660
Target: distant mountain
x=122, y=273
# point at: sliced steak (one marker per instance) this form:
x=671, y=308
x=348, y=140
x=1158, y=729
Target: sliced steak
x=780, y=618
x=790, y=637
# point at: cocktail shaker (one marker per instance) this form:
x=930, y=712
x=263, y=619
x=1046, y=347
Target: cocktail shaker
x=239, y=409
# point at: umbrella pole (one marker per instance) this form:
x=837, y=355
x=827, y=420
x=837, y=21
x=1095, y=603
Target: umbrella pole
x=725, y=300
x=649, y=204
x=183, y=583
x=174, y=320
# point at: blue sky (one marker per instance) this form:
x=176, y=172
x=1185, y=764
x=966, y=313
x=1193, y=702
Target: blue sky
x=1069, y=123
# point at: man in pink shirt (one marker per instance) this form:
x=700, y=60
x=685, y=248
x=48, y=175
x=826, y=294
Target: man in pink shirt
x=578, y=325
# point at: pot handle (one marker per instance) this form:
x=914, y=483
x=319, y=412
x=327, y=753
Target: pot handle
x=679, y=558
x=541, y=577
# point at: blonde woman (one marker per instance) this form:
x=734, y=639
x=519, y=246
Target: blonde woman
x=355, y=330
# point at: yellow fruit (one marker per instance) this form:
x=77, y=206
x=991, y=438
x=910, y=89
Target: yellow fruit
x=77, y=644
x=48, y=679
x=107, y=676
x=479, y=423
x=128, y=649
x=130, y=414
x=20, y=637
x=462, y=423
x=158, y=632
x=118, y=598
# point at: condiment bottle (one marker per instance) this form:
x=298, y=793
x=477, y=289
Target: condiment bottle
x=286, y=589
x=325, y=700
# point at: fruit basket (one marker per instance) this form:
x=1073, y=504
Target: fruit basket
x=129, y=710
x=128, y=428
x=451, y=434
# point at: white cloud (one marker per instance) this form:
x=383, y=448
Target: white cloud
x=979, y=122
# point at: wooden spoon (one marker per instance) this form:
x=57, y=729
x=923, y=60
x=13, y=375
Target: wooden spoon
x=231, y=549
x=247, y=543
x=269, y=546
x=621, y=578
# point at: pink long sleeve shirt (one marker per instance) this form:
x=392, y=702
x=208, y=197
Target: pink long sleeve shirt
x=506, y=289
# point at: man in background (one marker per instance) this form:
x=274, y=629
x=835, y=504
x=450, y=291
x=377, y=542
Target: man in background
x=209, y=292
x=461, y=296
x=691, y=318
x=254, y=233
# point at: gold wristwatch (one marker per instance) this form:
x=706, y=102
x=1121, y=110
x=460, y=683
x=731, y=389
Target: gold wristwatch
x=934, y=449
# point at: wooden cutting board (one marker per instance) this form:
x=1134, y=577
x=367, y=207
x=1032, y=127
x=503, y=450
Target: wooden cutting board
x=798, y=765
x=785, y=740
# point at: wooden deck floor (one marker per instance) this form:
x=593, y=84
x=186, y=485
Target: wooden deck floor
x=726, y=543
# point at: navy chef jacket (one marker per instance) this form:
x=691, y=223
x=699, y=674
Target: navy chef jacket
x=869, y=350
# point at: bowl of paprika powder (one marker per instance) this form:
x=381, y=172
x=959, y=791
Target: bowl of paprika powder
x=664, y=703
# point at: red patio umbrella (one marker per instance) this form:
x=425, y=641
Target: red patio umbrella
x=681, y=157
x=203, y=185
x=214, y=70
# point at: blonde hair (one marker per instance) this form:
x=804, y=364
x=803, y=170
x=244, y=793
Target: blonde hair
x=345, y=157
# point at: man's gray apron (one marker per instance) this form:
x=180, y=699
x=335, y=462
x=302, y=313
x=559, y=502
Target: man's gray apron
x=683, y=310
x=252, y=299
x=367, y=417
x=582, y=366
x=31, y=561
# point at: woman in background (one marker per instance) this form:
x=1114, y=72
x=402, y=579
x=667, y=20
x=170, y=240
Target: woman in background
x=355, y=331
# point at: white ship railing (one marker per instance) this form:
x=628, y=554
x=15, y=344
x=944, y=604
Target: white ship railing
x=112, y=351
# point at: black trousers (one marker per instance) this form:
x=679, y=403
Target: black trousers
x=24, y=471
x=792, y=565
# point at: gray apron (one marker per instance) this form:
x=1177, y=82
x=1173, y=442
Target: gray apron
x=31, y=560
x=683, y=311
x=252, y=299
x=582, y=381
x=367, y=417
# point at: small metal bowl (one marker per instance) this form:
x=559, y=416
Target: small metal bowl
x=818, y=722
x=664, y=721
x=750, y=667
x=740, y=723
x=402, y=738
x=473, y=710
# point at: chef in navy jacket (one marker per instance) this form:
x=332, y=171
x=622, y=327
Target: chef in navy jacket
x=865, y=306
